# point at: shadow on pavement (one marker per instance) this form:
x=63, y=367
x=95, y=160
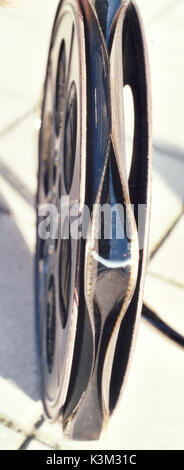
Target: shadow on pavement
x=18, y=359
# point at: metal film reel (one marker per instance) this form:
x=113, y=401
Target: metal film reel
x=89, y=290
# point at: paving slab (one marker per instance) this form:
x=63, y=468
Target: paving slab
x=25, y=35
x=170, y=167
x=151, y=415
x=167, y=299
x=17, y=410
x=168, y=262
x=153, y=12
x=50, y=434
x=10, y=439
x=167, y=202
x=164, y=30
x=18, y=157
x=36, y=445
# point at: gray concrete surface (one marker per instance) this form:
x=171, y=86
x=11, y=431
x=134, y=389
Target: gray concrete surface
x=151, y=413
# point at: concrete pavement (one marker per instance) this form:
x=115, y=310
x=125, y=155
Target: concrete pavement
x=151, y=414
